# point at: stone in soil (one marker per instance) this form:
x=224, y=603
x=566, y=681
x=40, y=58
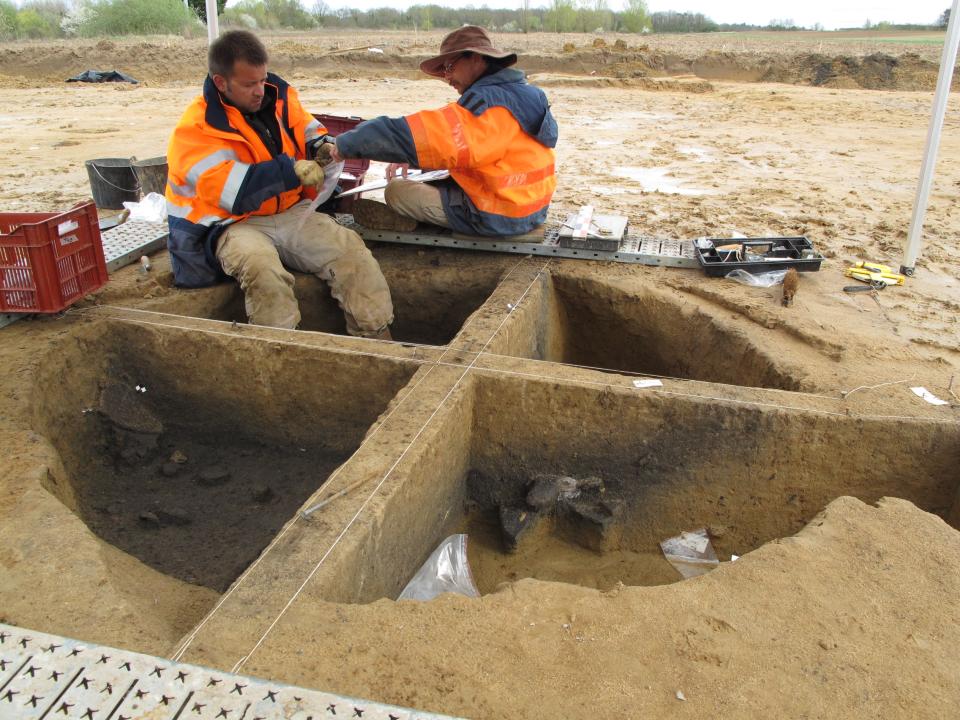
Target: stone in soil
x=173, y=516
x=149, y=519
x=514, y=524
x=590, y=521
x=213, y=475
x=263, y=494
x=544, y=492
x=123, y=407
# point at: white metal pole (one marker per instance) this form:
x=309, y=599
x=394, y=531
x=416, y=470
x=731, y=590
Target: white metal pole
x=949, y=57
x=213, y=24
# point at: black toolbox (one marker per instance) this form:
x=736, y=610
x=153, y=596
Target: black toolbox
x=718, y=257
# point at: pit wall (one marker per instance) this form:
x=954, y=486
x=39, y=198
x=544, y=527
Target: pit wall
x=433, y=293
x=54, y=573
x=274, y=391
x=235, y=383
x=419, y=503
x=636, y=328
x=683, y=462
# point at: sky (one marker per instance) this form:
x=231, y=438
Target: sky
x=829, y=13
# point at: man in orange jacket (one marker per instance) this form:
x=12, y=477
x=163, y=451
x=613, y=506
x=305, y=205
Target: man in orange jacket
x=239, y=186
x=497, y=142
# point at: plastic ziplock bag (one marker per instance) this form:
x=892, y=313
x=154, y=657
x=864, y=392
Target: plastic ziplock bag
x=446, y=570
x=690, y=553
x=331, y=173
x=767, y=279
x=153, y=208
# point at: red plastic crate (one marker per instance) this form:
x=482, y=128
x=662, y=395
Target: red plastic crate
x=336, y=124
x=48, y=261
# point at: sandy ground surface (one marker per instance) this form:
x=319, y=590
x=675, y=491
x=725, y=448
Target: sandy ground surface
x=856, y=614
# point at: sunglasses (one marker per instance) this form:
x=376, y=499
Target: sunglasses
x=449, y=65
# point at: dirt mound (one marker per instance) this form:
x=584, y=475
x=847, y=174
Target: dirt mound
x=157, y=61
x=646, y=83
x=174, y=60
x=874, y=72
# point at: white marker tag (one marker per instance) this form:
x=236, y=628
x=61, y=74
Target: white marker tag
x=648, y=382
x=923, y=393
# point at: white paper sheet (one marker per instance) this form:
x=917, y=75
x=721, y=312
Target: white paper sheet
x=378, y=184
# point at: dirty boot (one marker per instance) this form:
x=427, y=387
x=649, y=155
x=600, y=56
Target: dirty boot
x=379, y=216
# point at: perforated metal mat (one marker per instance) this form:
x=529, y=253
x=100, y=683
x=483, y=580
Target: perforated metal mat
x=50, y=677
x=633, y=248
x=125, y=243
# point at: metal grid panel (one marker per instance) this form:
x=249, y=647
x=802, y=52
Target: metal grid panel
x=46, y=676
x=125, y=243
x=673, y=253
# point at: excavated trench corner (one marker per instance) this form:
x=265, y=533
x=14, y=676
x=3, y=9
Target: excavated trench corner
x=432, y=293
x=647, y=467
x=593, y=323
x=196, y=474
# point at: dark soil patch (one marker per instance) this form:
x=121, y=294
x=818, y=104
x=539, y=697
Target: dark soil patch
x=205, y=518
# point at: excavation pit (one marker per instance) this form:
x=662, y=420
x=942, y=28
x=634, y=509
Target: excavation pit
x=189, y=451
x=751, y=473
x=432, y=295
x=637, y=329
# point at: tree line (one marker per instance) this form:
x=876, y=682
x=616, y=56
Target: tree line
x=92, y=18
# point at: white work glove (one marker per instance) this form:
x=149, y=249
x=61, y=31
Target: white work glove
x=308, y=172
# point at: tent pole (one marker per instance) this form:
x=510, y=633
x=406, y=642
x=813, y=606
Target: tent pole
x=914, y=236
x=213, y=24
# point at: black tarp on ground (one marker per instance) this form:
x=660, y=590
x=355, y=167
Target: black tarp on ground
x=96, y=76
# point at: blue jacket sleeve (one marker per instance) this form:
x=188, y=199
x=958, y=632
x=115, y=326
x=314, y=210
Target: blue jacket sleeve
x=263, y=181
x=385, y=139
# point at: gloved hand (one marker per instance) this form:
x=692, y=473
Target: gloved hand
x=325, y=153
x=308, y=172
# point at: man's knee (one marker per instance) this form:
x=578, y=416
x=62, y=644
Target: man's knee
x=263, y=263
x=395, y=191
x=416, y=200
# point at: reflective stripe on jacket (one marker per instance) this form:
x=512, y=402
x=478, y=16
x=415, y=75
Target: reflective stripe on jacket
x=496, y=141
x=220, y=172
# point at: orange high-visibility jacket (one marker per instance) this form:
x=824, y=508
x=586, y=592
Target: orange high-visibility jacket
x=221, y=172
x=496, y=141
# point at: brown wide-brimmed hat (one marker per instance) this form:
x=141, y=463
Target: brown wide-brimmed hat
x=469, y=38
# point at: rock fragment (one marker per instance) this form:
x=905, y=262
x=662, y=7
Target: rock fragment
x=213, y=475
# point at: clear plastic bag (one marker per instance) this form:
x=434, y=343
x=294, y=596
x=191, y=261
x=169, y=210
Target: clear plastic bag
x=153, y=208
x=446, y=570
x=331, y=174
x=690, y=553
x=765, y=280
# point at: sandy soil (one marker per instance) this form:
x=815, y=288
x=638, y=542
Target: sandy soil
x=856, y=617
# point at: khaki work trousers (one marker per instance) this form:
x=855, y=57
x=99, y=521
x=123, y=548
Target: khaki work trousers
x=416, y=200
x=257, y=251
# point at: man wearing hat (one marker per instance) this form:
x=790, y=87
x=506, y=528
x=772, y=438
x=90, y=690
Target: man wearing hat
x=497, y=142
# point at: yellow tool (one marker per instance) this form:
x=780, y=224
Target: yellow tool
x=874, y=273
